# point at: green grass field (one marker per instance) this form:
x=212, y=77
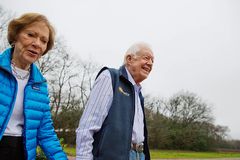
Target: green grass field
x=177, y=154
x=191, y=154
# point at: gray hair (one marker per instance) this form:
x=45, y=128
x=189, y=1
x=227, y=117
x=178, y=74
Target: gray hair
x=135, y=48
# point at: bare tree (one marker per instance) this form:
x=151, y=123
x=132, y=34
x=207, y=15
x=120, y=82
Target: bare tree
x=86, y=78
x=188, y=108
x=184, y=121
x=59, y=68
x=70, y=79
x=5, y=17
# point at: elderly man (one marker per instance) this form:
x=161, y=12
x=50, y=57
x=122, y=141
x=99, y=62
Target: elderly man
x=113, y=125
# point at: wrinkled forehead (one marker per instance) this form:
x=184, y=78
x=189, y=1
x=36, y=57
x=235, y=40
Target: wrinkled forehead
x=145, y=52
x=39, y=27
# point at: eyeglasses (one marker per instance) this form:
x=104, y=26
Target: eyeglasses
x=147, y=58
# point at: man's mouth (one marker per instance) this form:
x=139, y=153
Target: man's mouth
x=147, y=69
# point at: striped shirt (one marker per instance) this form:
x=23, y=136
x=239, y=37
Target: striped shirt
x=96, y=110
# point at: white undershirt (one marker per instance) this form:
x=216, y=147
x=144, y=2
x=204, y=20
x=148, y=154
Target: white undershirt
x=16, y=122
x=138, y=123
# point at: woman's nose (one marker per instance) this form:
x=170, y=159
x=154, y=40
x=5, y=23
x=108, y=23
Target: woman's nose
x=36, y=42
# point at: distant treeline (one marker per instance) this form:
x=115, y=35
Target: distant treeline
x=184, y=122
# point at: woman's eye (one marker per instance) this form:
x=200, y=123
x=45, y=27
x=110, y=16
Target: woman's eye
x=44, y=41
x=30, y=34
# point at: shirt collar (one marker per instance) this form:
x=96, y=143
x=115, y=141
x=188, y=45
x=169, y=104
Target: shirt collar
x=130, y=78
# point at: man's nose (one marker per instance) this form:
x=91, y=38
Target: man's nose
x=150, y=61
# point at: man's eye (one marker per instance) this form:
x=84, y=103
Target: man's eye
x=146, y=58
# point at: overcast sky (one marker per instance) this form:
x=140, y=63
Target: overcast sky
x=196, y=43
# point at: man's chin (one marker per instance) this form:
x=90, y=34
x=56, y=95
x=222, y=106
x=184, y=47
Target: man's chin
x=144, y=77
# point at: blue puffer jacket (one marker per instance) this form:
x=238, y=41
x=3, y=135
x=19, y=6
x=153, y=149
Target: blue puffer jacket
x=38, y=128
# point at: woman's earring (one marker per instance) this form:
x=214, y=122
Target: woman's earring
x=13, y=44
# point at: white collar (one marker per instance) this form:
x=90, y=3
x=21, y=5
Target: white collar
x=130, y=78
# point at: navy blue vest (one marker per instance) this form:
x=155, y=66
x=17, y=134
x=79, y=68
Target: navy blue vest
x=113, y=140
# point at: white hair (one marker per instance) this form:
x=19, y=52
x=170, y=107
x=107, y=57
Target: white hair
x=135, y=48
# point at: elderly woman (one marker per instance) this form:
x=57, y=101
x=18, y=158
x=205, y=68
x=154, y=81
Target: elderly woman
x=25, y=117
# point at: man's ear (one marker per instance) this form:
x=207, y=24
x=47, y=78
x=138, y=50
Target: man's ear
x=129, y=59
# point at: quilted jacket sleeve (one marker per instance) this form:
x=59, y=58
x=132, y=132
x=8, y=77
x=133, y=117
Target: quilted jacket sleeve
x=48, y=139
